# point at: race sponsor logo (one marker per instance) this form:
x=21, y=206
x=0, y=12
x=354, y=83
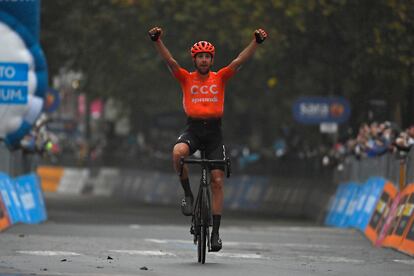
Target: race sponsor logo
x=205, y=89
x=208, y=90
x=204, y=100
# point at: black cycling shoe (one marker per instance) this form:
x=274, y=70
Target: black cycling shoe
x=187, y=206
x=215, y=242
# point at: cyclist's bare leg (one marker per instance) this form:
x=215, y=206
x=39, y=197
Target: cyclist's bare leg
x=217, y=182
x=183, y=150
x=180, y=149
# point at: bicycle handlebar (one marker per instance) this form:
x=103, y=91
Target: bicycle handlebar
x=225, y=162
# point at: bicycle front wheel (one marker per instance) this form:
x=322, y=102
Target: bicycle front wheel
x=203, y=229
x=201, y=244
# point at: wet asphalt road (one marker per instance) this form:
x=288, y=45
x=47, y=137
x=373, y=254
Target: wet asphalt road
x=98, y=236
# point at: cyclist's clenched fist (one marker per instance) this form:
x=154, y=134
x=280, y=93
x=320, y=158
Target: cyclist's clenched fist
x=155, y=33
x=260, y=35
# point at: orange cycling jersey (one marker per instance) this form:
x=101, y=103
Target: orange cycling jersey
x=203, y=96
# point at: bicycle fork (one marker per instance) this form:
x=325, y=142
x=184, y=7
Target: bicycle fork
x=201, y=213
x=205, y=205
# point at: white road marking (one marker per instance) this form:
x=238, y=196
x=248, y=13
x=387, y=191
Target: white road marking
x=135, y=226
x=49, y=253
x=408, y=262
x=285, y=229
x=168, y=241
x=217, y=254
x=232, y=243
x=302, y=245
x=227, y=243
x=144, y=252
x=243, y=244
x=333, y=259
x=237, y=255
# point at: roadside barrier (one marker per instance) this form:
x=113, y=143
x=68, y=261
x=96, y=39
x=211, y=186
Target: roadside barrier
x=353, y=204
x=407, y=244
x=380, y=213
x=377, y=209
x=21, y=200
x=241, y=192
x=50, y=177
x=4, y=218
x=400, y=225
x=384, y=212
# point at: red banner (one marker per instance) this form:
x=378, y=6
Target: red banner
x=4, y=219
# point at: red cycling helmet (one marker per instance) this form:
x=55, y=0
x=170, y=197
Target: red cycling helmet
x=202, y=47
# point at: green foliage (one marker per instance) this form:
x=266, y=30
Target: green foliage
x=358, y=49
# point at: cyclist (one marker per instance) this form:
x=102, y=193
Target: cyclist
x=203, y=102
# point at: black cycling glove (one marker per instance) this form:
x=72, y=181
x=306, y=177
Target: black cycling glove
x=260, y=36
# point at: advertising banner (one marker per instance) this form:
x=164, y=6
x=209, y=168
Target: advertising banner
x=351, y=206
x=50, y=177
x=407, y=244
x=52, y=100
x=400, y=222
x=381, y=212
x=357, y=217
x=11, y=199
x=344, y=195
x=245, y=192
x=354, y=204
x=31, y=197
x=4, y=218
x=389, y=219
x=375, y=186
x=317, y=110
x=23, y=69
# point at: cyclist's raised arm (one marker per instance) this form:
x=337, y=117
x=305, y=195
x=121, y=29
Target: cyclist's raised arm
x=259, y=36
x=155, y=35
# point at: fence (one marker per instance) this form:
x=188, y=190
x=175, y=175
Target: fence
x=293, y=189
x=398, y=168
x=17, y=163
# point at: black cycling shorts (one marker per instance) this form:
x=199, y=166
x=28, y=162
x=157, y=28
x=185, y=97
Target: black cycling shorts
x=202, y=134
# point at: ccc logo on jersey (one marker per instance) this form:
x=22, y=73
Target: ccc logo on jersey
x=205, y=89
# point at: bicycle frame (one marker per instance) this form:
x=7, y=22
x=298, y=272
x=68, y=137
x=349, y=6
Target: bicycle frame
x=202, y=215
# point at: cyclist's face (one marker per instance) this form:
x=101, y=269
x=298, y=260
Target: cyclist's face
x=203, y=62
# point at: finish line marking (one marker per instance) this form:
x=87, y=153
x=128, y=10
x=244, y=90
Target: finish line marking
x=237, y=255
x=332, y=259
x=160, y=241
x=227, y=243
x=214, y=254
x=144, y=252
x=408, y=262
x=243, y=244
x=49, y=253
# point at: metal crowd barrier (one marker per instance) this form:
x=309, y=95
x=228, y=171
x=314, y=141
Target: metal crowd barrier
x=398, y=168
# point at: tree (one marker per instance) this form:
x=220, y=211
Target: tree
x=361, y=50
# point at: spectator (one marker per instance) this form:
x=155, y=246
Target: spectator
x=406, y=139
